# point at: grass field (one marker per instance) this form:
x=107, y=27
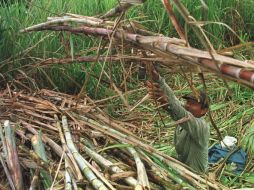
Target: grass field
x=19, y=53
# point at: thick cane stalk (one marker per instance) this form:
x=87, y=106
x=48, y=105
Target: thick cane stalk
x=68, y=179
x=58, y=150
x=7, y=173
x=142, y=175
x=4, y=154
x=72, y=164
x=174, y=164
x=96, y=183
x=230, y=68
x=12, y=156
x=173, y=18
x=109, y=165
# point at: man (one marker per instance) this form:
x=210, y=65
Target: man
x=192, y=136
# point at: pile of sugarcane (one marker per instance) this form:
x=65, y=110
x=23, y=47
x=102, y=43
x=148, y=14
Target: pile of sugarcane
x=51, y=140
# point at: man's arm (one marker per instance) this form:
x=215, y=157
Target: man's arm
x=175, y=109
x=196, y=127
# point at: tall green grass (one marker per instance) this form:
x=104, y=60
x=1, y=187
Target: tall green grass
x=29, y=47
x=21, y=51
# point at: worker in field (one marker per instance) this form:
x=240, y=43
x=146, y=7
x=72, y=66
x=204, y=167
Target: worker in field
x=192, y=134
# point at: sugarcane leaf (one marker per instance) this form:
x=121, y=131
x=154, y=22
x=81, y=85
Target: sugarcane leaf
x=250, y=178
x=224, y=180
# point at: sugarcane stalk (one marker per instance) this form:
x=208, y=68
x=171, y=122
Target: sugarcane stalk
x=174, y=164
x=160, y=175
x=103, y=179
x=173, y=18
x=122, y=175
x=167, y=184
x=4, y=154
x=123, y=137
x=40, y=151
x=96, y=183
x=161, y=43
x=52, y=61
x=68, y=179
x=191, y=177
x=12, y=157
x=47, y=166
x=72, y=164
x=7, y=173
x=61, y=20
x=87, y=143
x=40, y=104
x=57, y=149
x=57, y=172
x=109, y=165
x=114, y=125
x=225, y=67
x=39, y=146
x=74, y=184
x=141, y=171
x=155, y=173
x=197, y=28
x=220, y=67
x=117, y=10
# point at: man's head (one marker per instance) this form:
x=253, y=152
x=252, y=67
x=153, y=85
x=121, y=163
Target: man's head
x=198, y=107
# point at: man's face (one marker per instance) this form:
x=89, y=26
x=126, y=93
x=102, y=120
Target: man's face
x=195, y=108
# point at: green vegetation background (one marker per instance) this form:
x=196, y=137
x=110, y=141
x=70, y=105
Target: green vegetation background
x=20, y=51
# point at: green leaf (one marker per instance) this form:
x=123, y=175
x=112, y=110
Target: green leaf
x=224, y=180
x=249, y=177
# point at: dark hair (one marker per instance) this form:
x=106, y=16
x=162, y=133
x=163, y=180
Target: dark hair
x=202, y=99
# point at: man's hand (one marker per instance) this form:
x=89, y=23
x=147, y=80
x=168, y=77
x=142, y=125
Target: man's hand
x=156, y=93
